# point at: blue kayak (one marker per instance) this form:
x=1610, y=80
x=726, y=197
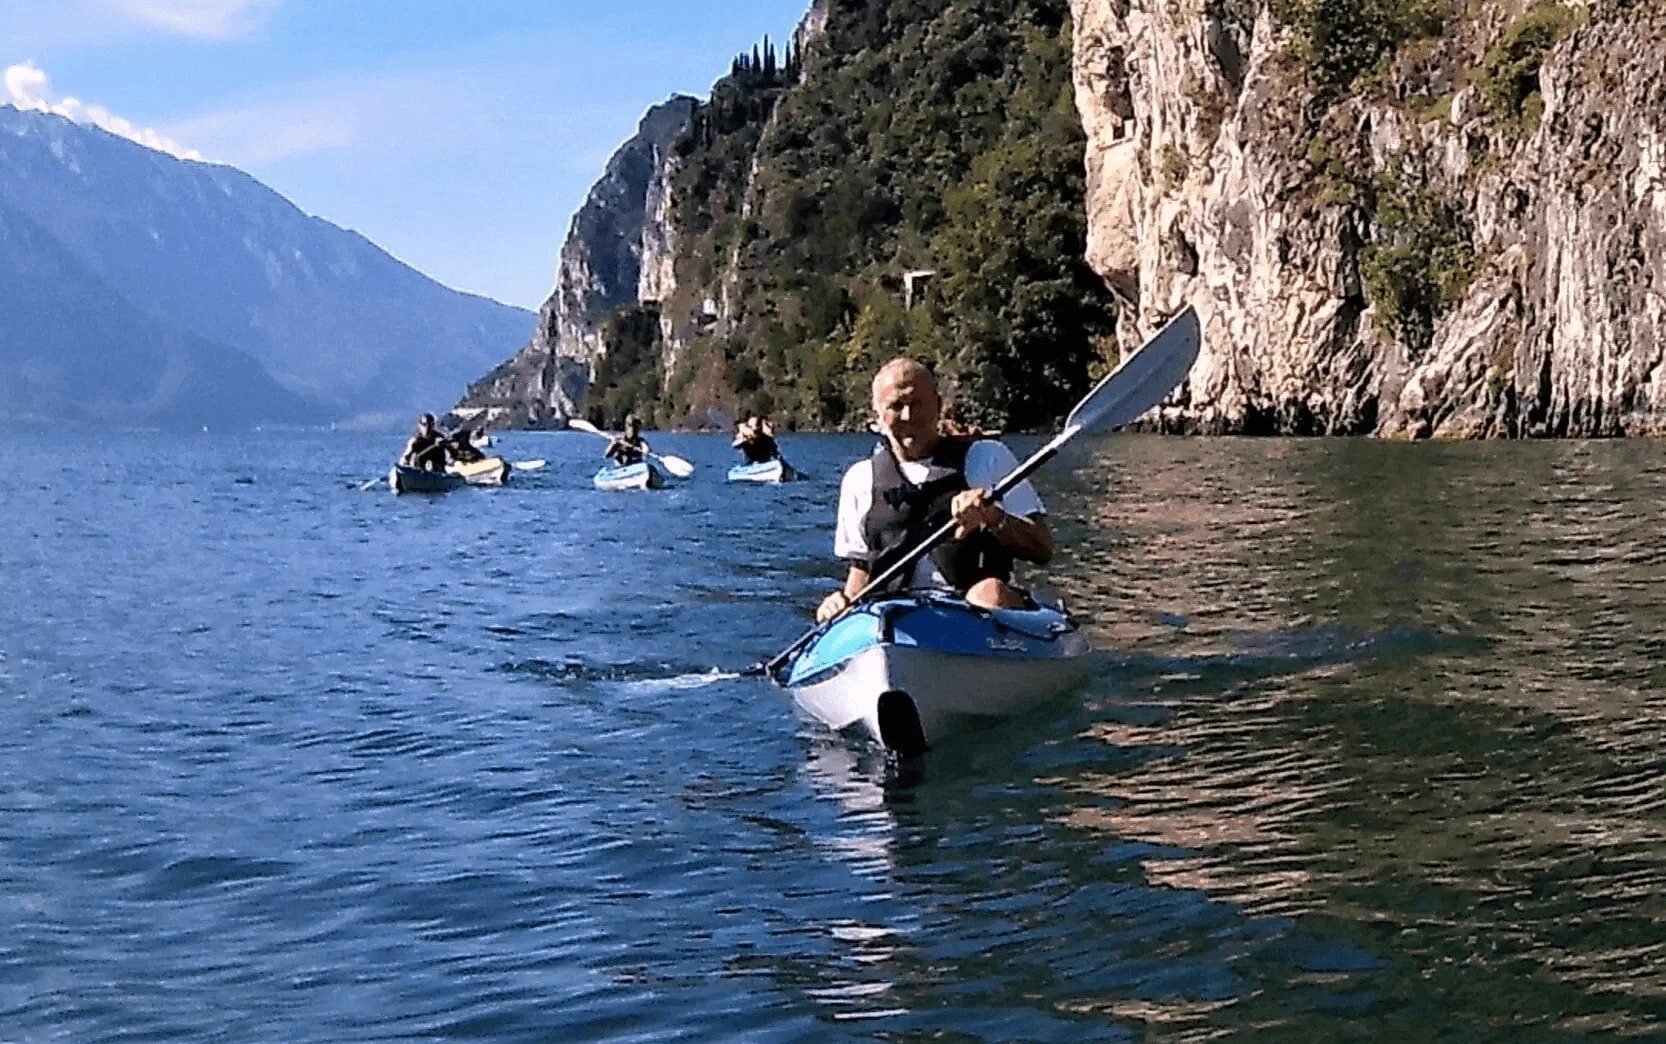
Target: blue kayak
x=402, y=479
x=776, y=470
x=641, y=475
x=914, y=668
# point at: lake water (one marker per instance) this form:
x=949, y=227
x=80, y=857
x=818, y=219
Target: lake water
x=1374, y=750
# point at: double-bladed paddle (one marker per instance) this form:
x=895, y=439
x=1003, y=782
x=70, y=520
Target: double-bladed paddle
x=675, y=465
x=1143, y=380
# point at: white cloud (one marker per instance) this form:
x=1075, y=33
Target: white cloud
x=30, y=89
x=202, y=19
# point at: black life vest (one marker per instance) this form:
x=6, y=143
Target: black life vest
x=625, y=450
x=420, y=452
x=759, y=449
x=903, y=514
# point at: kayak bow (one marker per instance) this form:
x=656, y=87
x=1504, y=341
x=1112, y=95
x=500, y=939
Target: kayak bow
x=914, y=668
x=641, y=475
x=776, y=470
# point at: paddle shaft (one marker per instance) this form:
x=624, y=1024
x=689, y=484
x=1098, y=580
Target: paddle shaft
x=937, y=536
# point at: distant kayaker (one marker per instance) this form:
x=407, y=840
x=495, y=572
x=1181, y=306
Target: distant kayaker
x=462, y=446
x=426, y=449
x=629, y=448
x=755, y=438
x=918, y=479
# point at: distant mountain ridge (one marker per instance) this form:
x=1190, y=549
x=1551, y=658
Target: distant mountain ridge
x=73, y=351
x=202, y=293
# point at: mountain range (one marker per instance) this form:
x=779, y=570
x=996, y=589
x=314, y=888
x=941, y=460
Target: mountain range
x=141, y=289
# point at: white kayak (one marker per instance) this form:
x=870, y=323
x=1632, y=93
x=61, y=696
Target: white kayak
x=912, y=669
x=487, y=471
x=776, y=470
x=641, y=475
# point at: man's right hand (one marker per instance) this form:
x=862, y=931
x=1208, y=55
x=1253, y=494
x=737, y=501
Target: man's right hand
x=832, y=606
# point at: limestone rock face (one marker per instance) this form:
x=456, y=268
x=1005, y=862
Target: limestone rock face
x=618, y=241
x=1219, y=176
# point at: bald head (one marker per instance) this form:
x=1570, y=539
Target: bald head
x=906, y=402
x=902, y=370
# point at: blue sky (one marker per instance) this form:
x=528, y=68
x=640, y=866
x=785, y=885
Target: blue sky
x=460, y=135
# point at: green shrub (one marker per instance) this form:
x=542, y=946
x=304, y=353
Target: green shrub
x=1338, y=40
x=1421, y=264
x=627, y=376
x=1509, y=73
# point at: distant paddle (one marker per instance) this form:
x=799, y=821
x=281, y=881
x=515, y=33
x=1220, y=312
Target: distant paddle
x=1143, y=380
x=675, y=465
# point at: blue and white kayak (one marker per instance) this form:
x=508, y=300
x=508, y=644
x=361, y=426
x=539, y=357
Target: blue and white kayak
x=912, y=669
x=776, y=470
x=402, y=479
x=641, y=475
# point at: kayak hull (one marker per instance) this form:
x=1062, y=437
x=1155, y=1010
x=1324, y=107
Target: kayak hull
x=487, y=471
x=776, y=470
x=402, y=479
x=910, y=671
x=641, y=475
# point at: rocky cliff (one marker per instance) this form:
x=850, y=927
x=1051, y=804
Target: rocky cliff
x=601, y=267
x=1408, y=220
x=899, y=177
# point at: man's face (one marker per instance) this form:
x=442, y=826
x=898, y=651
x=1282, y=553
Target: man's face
x=907, y=407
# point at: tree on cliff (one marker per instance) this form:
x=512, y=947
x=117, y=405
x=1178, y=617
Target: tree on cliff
x=927, y=135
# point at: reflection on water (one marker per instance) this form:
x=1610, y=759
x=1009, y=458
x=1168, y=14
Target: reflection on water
x=1377, y=755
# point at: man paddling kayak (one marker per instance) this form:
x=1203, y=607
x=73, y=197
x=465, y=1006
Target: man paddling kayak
x=755, y=438
x=918, y=479
x=629, y=448
x=426, y=450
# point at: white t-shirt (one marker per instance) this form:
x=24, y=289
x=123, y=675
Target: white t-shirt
x=987, y=462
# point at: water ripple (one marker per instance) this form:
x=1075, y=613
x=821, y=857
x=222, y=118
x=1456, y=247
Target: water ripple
x=1372, y=751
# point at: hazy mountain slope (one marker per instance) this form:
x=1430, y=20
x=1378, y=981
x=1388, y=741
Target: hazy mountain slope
x=599, y=270
x=72, y=350
x=209, y=250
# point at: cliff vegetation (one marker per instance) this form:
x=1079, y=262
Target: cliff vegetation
x=908, y=178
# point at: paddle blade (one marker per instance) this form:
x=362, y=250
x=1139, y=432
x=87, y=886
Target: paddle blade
x=677, y=466
x=529, y=465
x=580, y=424
x=1143, y=380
